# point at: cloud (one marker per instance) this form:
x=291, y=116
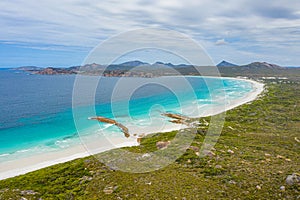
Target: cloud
x=268, y=27
x=221, y=42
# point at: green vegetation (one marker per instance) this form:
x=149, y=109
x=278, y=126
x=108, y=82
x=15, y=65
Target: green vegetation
x=257, y=150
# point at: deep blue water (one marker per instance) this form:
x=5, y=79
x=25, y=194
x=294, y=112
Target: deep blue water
x=36, y=111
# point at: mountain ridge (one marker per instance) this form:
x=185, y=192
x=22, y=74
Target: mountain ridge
x=142, y=69
x=262, y=65
x=226, y=64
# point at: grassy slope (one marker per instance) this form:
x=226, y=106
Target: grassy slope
x=261, y=134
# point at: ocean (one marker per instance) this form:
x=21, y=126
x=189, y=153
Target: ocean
x=37, y=114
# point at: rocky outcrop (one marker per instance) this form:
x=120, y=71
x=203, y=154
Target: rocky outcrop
x=178, y=119
x=293, y=179
x=139, y=140
x=175, y=116
x=162, y=144
x=123, y=128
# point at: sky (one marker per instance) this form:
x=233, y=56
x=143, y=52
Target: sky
x=62, y=33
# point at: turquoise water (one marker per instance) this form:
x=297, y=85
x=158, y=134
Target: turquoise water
x=37, y=114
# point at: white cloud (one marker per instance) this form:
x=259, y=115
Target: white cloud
x=266, y=26
x=221, y=42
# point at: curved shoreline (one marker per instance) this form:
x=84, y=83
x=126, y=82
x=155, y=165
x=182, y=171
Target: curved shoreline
x=257, y=89
x=29, y=164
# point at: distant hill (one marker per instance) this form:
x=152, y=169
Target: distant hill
x=135, y=63
x=262, y=65
x=87, y=67
x=254, y=65
x=142, y=69
x=226, y=64
x=124, y=69
x=161, y=64
x=259, y=69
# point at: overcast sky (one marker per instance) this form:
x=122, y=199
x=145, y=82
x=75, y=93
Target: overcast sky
x=62, y=32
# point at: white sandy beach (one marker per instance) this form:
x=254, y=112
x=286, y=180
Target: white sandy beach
x=29, y=164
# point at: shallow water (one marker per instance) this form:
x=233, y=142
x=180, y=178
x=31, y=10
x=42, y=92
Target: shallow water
x=37, y=114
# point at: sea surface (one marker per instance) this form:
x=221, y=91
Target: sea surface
x=37, y=114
